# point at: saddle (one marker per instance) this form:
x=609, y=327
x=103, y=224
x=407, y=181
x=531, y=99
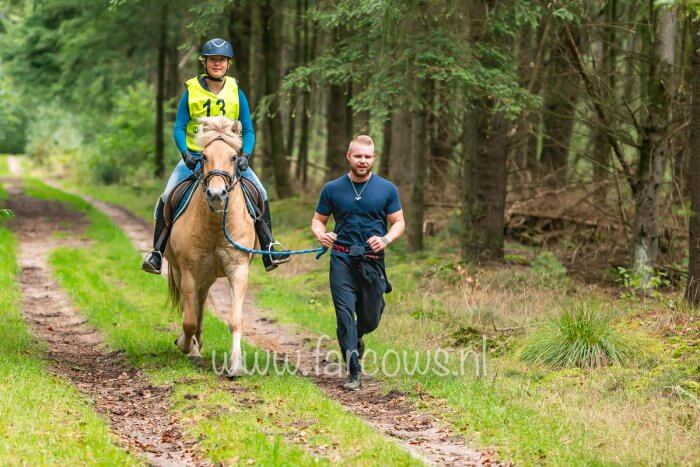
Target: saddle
x=181, y=196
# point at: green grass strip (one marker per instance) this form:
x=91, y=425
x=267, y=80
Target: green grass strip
x=44, y=419
x=4, y=166
x=253, y=418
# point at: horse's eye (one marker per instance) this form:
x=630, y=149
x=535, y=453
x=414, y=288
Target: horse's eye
x=204, y=157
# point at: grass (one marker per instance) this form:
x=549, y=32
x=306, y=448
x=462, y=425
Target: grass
x=4, y=167
x=44, y=420
x=582, y=336
x=531, y=414
x=244, y=421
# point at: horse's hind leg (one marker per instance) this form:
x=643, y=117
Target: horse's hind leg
x=188, y=288
x=238, y=281
x=202, y=294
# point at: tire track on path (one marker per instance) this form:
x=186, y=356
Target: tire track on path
x=138, y=413
x=392, y=414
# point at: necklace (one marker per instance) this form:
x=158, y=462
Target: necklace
x=358, y=196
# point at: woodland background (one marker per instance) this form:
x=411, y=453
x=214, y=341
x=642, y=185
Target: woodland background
x=565, y=124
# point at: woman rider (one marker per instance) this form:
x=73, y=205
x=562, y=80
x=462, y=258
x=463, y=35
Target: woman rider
x=211, y=94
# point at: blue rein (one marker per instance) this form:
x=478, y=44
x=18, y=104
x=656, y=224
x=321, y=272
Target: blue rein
x=320, y=250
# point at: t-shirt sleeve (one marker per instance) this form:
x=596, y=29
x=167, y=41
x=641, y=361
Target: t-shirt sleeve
x=393, y=203
x=324, y=206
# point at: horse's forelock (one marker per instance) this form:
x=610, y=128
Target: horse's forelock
x=211, y=128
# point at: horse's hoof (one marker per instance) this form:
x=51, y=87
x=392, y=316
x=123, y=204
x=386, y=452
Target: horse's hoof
x=195, y=359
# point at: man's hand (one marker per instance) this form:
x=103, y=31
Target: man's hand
x=326, y=239
x=190, y=160
x=243, y=162
x=378, y=243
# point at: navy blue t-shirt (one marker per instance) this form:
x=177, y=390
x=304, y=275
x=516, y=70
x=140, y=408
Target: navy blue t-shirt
x=357, y=221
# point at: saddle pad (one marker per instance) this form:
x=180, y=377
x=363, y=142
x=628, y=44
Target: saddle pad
x=254, y=202
x=178, y=200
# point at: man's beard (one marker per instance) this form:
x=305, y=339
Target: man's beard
x=356, y=172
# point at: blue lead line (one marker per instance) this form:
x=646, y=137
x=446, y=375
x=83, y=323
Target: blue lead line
x=320, y=250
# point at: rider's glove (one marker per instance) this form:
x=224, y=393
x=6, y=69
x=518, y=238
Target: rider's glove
x=190, y=160
x=243, y=162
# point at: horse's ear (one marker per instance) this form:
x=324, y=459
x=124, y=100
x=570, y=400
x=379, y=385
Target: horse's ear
x=236, y=127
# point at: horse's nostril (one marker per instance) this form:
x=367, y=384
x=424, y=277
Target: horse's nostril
x=216, y=194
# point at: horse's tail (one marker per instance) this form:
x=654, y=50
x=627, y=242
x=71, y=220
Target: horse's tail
x=173, y=290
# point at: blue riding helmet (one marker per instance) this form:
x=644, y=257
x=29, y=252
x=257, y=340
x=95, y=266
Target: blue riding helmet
x=217, y=47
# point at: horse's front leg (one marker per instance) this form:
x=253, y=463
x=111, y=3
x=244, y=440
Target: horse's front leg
x=238, y=281
x=187, y=342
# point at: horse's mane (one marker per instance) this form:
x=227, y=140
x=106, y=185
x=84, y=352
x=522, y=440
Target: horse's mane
x=220, y=126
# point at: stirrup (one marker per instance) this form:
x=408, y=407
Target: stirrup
x=146, y=265
x=277, y=259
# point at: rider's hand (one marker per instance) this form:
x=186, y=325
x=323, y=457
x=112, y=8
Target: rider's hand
x=326, y=239
x=377, y=243
x=190, y=160
x=243, y=162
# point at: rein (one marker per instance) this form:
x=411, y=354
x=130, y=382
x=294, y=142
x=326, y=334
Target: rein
x=320, y=250
x=231, y=182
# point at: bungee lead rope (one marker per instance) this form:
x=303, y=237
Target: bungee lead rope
x=320, y=250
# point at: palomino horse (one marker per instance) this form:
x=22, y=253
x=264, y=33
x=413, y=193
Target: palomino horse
x=198, y=252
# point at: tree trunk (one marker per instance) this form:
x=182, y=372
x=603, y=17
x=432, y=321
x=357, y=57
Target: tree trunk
x=440, y=140
x=337, y=139
x=692, y=291
x=291, y=123
x=274, y=122
x=559, y=107
x=654, y=147
x=416, y=207
x=386, y=148
x=484, y=171
x=309, y=45
x=239, y=30
x=400, y=151
x=159, y=164
x=601, y=146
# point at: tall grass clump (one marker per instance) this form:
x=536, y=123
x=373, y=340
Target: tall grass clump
x=583, y=336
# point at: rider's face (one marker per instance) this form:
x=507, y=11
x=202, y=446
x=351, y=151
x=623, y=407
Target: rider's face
x=216, y=66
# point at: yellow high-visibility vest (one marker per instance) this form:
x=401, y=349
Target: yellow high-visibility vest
x=204, y=103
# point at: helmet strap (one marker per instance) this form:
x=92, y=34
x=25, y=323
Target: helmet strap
x=209, y=77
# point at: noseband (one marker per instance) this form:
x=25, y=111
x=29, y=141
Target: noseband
x=229, y=178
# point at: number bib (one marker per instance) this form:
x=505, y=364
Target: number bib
x=204, y=103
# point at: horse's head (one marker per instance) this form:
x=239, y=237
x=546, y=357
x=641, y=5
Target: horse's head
x=221, y=139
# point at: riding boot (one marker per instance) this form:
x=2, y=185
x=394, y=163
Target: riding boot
x=263, y=229
x=154, y=259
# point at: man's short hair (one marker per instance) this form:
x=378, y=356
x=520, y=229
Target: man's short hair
x=363, y=140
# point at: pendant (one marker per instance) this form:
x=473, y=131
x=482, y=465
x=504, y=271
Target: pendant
x=358, y=198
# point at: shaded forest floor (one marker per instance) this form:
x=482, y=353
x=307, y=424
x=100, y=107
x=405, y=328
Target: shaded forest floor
x=643, y=413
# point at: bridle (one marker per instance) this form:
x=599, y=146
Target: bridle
x=230, y=179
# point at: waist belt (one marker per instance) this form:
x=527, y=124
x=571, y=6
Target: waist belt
x=344, y=249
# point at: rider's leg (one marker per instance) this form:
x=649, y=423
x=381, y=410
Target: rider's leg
x=154, y=259
x=263, y=227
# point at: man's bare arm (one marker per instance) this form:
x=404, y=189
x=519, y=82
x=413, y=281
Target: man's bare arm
x=398, y=225
x=318, y=227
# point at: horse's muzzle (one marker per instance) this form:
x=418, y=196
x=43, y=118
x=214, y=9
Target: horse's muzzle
x=216, y=197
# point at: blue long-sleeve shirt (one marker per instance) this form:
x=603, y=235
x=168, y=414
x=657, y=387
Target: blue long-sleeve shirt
x=182, y=118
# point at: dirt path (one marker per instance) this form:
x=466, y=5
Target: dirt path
x=420, y=433
x=138, y=412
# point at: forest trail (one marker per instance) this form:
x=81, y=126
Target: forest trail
x=138, y=412
x=392, y=414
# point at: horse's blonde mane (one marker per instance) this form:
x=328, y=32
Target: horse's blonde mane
x=220, y=126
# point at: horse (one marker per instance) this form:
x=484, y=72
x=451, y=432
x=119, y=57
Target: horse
x=198, y=253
